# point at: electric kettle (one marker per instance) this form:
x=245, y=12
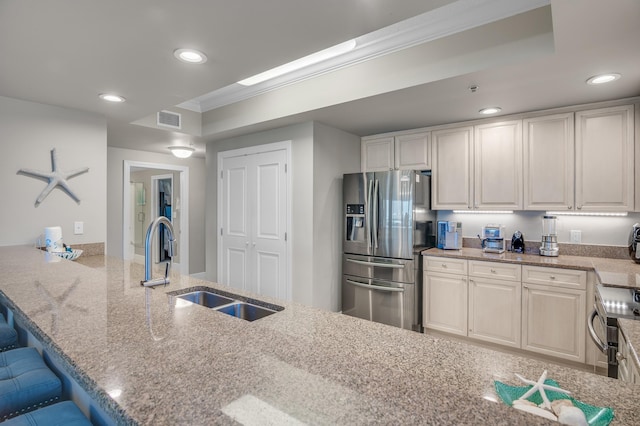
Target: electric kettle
x=634, y=239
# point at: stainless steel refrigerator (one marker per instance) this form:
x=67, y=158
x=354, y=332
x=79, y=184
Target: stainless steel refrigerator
x=388, y=221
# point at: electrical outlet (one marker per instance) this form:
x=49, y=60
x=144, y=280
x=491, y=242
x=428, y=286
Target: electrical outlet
x=576, y=236
x=78, y=228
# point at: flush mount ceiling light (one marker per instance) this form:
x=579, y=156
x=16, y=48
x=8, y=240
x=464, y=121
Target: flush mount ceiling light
x=603, y=78
x=181, y=151
x=303, y=62
x=490, y=110
x=190, y=56
x=110, y=97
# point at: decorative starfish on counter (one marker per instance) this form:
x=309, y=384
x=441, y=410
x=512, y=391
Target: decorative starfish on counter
x=540, y=386
x=55, y=178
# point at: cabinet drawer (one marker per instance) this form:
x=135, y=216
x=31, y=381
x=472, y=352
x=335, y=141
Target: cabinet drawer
x=497, y=270
x=445, y=265
x=568, y=278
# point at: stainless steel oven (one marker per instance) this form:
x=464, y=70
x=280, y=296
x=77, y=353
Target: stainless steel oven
x=610, y=304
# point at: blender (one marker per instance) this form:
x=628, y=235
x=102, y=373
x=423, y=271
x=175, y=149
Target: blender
x=549, y=246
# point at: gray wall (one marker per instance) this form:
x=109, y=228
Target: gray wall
x=197, y=183
x=29, y=131
x=320, y=155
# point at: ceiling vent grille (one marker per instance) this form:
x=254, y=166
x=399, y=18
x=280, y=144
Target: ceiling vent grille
x=170, y=119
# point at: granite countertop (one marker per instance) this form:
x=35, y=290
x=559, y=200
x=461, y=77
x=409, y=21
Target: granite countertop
x=631, y=330
x=610, y=272
x=195, y=366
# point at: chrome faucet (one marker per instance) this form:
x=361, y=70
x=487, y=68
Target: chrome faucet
x=148, y=282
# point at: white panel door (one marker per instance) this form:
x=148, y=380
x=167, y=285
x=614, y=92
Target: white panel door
x=269, y=244
x=254, y=247
x=236, y=223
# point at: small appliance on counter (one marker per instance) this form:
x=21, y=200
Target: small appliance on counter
x=493, y=239
x=549, y=246
x=634, y=239
x=449, y=235
x=517, y=242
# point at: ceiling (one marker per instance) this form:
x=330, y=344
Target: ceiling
x=67, y=52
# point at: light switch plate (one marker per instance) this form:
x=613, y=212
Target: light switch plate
x=78, y=228
x=576, y=236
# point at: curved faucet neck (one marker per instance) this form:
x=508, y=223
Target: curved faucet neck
x=148, y=282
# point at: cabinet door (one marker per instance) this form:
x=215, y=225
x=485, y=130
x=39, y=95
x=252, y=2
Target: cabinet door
x=413, y=152
x=498, y=166
x=554, y=321
x=605, y=159
x=495, y=311
x=548, y=162
x=377, y=155
x=445, y=302
x=452, y=169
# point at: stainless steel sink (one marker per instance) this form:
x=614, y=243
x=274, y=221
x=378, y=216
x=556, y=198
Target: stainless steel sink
x=227, y=303
x=206, y=298
x=246, y=311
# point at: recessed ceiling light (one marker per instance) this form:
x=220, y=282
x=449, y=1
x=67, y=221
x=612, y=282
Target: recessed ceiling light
x=603, y=78
x=110, y=97
x=190, y=56
x=490, y=110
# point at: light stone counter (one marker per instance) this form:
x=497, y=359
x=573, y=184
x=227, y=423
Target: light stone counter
x=195, y=366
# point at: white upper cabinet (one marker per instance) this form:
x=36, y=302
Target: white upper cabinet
x=605, y=159
x=549, y=162
x=377, y=155
x=498, y=166
x=452, y=168
x=404, y=152
x=413, y=152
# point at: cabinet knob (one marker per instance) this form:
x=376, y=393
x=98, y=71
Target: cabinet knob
x=569, y=207
x=493, y=271
x=444, y=265
x=579, y=207
x=552, y=277
x=620, y=357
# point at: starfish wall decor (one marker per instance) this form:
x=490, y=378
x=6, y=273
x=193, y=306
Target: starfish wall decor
x=55, y=178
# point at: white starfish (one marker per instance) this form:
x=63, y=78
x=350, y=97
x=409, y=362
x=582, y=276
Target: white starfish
x=55, y=178
x=540, y=386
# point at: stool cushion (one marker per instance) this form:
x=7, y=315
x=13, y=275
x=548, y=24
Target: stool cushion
x=8, y=336
x=25, y=382
x=61, y=414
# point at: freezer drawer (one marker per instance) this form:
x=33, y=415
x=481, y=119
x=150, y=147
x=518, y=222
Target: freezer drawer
x=380, y=301
x=395, y=270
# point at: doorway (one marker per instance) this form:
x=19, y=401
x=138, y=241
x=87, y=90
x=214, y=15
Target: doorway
x=254, y=219
x=142, y=203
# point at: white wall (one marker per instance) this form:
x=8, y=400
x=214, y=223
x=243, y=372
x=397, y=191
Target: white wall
x=610, y=231
x=29, y=131
x=320, y=155
x=334, y=153
x=197, y=183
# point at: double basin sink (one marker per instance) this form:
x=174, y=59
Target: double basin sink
x=227, y=303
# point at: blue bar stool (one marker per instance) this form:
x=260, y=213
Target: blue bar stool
x=61, y=414
x=26, y=383
x=8, y=336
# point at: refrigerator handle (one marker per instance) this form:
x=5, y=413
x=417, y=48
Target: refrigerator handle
x=376, y=264
x=375, y=214
x=376, y=287
x=367, y=213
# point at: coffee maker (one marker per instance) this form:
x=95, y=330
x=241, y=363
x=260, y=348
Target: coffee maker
x=449, y=235
x=634, y=239
x=549, y=246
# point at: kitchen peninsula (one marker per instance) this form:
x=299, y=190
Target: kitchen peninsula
x=169, y=365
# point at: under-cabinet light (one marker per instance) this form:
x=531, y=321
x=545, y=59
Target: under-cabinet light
x=561, y=213
x=483, y=211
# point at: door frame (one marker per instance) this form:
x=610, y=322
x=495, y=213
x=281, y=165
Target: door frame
x=183, y=240
x=259, y=149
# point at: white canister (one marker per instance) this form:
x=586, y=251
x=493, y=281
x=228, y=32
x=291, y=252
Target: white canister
x=53, y=239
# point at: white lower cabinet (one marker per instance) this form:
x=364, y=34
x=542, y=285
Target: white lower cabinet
x=494, y=310
x=445, y=302
x=627, y=370
x=553, y=321
x=538, y=309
